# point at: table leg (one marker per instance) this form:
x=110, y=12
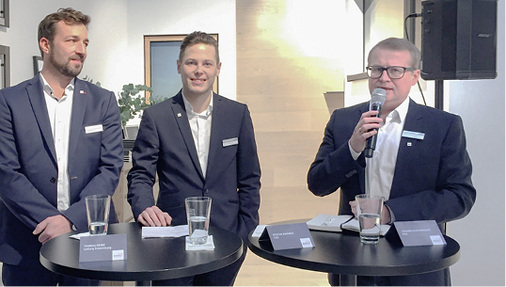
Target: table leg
x=347, y=280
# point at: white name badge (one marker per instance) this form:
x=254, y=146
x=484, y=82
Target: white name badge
x=230, y=141
x=413, y=135
x=94, y=129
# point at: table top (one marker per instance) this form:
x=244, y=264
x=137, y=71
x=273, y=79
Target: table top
x=342, y=253
x=147, y=259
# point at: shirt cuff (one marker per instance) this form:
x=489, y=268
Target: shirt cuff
x=354, y=154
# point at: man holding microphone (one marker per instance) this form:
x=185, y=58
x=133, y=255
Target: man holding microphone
x=420, y=164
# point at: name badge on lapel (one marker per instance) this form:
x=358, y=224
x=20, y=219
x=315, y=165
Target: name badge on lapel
x=413, y=135
x=230, y=141
x=94, y=129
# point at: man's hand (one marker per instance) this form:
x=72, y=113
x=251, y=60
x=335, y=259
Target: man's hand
x=153, y=216
x=385, y=212
x=51, y=227
x=366, y=127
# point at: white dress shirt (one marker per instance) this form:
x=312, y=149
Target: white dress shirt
x=60, y=113
x=381, y=167
x=200, y=125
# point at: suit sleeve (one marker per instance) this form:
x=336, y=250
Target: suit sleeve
x=16, y=191
x=453, y=194
x=248, y=178
x=334, y=165
x=141, y=177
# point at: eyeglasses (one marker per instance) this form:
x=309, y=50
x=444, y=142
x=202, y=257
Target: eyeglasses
x=393, y=72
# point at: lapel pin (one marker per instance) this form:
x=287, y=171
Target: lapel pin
x=82, y=92
x=178, y=115
x=409, y=144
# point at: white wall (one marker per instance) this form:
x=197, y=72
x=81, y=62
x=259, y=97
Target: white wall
x=481, y=104
x=116, y=31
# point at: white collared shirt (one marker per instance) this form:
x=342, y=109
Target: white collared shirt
x=381, y=167
x=60, y=113
x=200, y=125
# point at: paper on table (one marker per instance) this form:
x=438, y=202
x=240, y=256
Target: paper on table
x=258, y=230
x=209, y=245
x=79, y=235
x=165, y=231
x=325, y=222
x=353, y=225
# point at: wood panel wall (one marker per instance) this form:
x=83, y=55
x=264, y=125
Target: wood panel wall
x=285, y=94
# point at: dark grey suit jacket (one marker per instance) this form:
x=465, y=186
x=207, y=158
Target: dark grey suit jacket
x=28, y=166
x=165, y=146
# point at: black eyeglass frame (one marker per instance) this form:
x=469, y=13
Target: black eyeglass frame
x=369, y=70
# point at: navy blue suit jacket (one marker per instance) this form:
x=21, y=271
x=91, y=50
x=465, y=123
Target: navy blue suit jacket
x=28, y=166
x=432, y=177
x=165, y=146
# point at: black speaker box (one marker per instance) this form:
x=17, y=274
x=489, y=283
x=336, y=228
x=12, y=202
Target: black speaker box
x=459, y=39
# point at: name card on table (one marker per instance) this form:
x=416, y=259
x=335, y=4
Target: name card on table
x=111, y=247
x=419, y=233
x=288, y=236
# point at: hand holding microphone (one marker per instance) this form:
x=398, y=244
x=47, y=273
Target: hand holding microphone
x=365, y=134
x=378, y=98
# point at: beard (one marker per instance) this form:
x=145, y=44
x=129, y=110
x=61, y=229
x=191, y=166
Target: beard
x=65, y=68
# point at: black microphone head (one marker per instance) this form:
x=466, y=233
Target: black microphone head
x=379, y=96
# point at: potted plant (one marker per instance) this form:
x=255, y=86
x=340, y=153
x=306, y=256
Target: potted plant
x=131, y=102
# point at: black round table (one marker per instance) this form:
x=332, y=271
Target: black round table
x=147, y=259
x=342, y=253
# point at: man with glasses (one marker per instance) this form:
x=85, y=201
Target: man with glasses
x=420, y=164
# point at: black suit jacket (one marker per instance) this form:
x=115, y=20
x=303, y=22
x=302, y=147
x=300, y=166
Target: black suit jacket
x=165, y=146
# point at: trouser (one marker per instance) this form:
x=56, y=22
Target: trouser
x=437, y=278
x=36, y=275
x=221, y=277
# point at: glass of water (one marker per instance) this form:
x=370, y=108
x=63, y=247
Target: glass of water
x=97, y=212
x=198, y=211
x=369, y=217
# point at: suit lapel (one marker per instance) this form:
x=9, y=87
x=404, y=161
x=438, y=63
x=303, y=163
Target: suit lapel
x=78, y=110
x=39, y=107
x=218, y=122
x=413, y=122
x=185, y=130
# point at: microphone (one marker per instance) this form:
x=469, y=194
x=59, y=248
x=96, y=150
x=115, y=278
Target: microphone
x=378, y=98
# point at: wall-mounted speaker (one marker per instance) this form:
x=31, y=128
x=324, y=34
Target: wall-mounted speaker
x=459, y=39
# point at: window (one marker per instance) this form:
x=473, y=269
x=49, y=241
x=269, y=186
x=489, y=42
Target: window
x=161, y=53
x=4, y=13
x=4, y=67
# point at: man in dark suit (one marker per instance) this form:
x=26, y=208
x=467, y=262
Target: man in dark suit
x=200, y=144
x=420, y=165
x=61, y=141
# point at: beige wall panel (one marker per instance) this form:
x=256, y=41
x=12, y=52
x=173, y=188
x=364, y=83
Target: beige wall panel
x=284, y=90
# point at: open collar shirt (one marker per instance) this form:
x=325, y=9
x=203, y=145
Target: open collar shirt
x=381, y=167
x=60, y=113
x=200, y=124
